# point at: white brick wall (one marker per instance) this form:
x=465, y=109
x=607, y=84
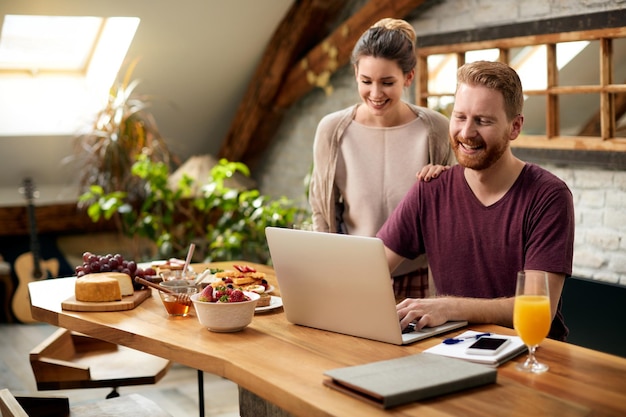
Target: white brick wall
x=600, y=204
x=599, y=196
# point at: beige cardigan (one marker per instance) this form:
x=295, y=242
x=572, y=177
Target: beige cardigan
x=323, y=194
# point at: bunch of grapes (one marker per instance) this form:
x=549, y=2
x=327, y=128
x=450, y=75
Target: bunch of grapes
x=93, y=263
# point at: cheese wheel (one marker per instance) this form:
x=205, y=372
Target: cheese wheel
x=97, y=288
x=126, y=284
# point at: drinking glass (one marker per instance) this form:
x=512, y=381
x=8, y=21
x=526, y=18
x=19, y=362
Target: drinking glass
x=531, y=315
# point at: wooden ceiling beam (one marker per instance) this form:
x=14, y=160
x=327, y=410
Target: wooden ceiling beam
x=299, y=30
x=335, y=51
x=269, y=95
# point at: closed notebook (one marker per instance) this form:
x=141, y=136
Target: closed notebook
x=407, y=379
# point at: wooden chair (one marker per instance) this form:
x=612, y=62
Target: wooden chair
x=128, y=405
x=68, y=360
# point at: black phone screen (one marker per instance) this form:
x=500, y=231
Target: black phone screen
x=488, y=343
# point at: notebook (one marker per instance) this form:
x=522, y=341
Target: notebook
x=394, y=382
x=459, y=350
x=339, y=283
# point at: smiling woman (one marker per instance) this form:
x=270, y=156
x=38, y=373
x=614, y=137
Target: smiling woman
x=366, y=156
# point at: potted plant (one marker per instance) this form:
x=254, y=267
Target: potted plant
x=224, y=222
x=121, y=131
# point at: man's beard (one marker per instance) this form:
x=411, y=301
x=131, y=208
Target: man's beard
x=484, y=158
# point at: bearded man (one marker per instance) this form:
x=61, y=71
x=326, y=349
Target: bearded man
x=485, y=219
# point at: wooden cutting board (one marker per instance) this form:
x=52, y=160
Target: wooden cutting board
x=126, y=303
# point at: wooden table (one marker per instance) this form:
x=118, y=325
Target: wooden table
x=282, y=364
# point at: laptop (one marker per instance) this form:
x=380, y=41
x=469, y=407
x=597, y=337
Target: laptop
x=340, y=283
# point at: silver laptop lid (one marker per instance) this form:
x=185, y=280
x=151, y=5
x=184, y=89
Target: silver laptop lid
x=339, y=283
x=335, y=282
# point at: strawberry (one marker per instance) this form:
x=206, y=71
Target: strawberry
x=207, y=294
x=236, y=296
x=244, y=268
x=220, y=292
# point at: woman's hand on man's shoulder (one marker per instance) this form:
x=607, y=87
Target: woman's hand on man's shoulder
x=431, y=171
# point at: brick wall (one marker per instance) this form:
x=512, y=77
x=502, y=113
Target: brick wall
x=600, y=205
x=599, y=196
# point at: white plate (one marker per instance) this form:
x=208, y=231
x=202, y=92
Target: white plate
x=144, y=265
x=275, y=302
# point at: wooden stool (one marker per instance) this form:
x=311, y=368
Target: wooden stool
x=128, y=405
x=68, y=360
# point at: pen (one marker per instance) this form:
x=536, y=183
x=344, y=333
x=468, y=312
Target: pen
x=455, y=340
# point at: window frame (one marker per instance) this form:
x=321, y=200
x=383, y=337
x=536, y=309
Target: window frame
x=605, y=150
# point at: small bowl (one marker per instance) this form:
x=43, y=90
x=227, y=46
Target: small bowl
x=171, y=303
x=225, y=317
x=177, y=283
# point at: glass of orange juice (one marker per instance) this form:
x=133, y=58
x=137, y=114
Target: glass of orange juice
x=531, y=315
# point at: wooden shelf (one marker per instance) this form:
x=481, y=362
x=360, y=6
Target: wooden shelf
x=52, y=218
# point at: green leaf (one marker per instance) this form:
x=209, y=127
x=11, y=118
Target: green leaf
x=226, y=223
x=94, y=212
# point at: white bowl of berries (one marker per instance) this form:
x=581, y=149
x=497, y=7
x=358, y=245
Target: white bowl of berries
x=224, y=309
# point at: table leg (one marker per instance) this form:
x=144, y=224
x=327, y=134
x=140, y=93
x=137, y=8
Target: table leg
x=201, y=392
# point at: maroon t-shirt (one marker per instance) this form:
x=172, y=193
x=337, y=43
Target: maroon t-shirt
x=476, y=251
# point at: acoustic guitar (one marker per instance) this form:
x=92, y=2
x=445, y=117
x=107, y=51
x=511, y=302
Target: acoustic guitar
x=29, y=266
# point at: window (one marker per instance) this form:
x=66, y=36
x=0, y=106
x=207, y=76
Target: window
x=47, y=43
x=56, y=71
x=574, y=81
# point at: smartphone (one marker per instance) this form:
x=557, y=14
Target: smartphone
x=487, y=346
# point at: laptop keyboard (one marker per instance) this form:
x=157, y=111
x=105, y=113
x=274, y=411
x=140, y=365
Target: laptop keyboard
x=409, y=329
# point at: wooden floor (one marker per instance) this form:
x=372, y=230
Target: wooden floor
x=177, y=392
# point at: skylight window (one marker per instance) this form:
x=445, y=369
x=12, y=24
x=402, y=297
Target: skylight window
x=48, y=43
x=56, y=71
